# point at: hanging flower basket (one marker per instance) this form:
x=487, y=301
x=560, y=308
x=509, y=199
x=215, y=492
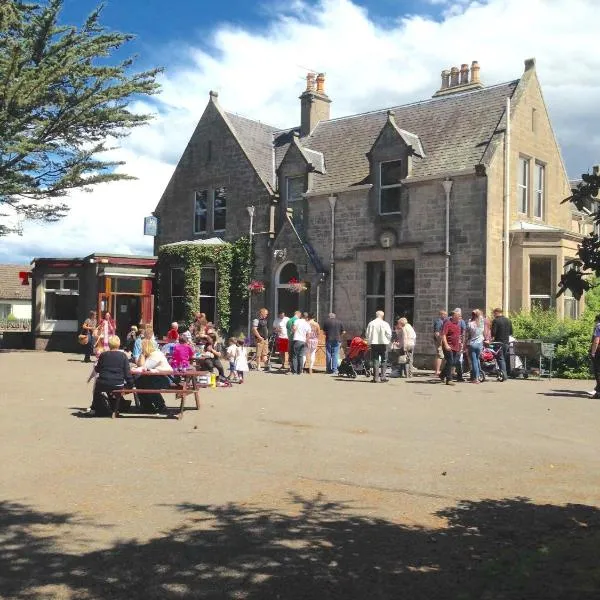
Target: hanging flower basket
x=256, y=287
x=296, y=287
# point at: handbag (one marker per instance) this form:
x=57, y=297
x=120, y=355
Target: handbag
x=82, y=338
x=402, y=359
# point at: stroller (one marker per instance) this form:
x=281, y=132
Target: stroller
x=488, y=361
x=356, y=362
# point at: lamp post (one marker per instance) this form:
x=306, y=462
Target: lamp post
x=332, y=200
x=447, y=185
x=250, y=210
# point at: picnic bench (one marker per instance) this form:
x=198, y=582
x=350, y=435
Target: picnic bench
x=180, y=391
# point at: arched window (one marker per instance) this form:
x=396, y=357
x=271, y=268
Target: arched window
x=287, y=301
x=287, y=272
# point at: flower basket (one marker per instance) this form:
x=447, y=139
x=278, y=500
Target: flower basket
x=296, y=287
x=256, y=287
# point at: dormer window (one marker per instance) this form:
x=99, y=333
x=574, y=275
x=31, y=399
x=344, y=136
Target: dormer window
x=295, y=188
x=390, y=187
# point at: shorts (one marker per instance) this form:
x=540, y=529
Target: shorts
x=232, y=365
x=283, y=344
x=262, y=349
x=439, y=351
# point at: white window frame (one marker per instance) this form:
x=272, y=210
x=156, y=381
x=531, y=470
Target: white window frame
x=549, y=296
x=394, y=295
x=368, y=296
x=568, y=298
x=539, y=198
x=66, y=325
x=214, y=208
x=216, y=295
x=204, y=212
x=387, y=187
x=523, y=186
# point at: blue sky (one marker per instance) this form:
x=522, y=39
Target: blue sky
x=376, y=54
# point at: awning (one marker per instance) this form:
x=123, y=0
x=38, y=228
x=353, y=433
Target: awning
x=127, y=272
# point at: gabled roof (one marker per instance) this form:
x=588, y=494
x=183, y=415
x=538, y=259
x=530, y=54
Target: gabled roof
x=11, y=287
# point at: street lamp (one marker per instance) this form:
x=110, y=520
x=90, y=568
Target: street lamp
x=447, y=185
x=251, y=211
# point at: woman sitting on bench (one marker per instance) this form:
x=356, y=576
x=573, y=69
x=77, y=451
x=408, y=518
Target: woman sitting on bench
x=154, y=361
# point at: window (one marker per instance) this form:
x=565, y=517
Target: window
x=200, y=212
x=122, y=285
x=390, y=188
x=61, y=299
x=295, y=200
x=404, y=289
x=208, y=293
x=523, y=186
x=571, y=305
x=177, y=294
x=220, y=209
x=5, y=310
x=540, y=282
x=538, y=202
x=375, y=289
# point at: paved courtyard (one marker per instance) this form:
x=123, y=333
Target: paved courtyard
x=299, y=487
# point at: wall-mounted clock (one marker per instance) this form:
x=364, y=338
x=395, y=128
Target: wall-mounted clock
x=387, y=238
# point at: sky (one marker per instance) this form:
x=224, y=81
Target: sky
x=376, y=54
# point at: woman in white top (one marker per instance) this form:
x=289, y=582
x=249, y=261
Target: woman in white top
x=405, y=338
x=153, y=361
x=312, y=342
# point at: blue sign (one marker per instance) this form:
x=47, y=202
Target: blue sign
x=150, y=225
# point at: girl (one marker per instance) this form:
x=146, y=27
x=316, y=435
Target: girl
x=231, y=354
x=106, y=328
x=241, y=360
x=312, y=342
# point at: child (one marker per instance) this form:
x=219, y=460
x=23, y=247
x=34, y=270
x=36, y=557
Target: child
x=241, y=360
x=182, y=355
x=231, y=354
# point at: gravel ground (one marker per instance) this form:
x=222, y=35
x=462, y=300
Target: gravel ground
x=299, y=487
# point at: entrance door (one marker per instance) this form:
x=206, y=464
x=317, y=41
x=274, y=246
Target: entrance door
x=128, y=312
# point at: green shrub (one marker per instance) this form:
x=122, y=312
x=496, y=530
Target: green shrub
x=11, y=317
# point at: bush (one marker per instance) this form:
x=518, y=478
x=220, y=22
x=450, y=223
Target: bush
x=11, y=317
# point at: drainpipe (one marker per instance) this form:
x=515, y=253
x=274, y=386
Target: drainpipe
x=332, y=201
x=250, y=210
x=447, y=184
x=506, y=240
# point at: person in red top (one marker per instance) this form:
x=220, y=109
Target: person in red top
x=452, y=344
x=173, y=333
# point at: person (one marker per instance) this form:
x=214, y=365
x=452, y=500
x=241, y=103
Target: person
x=131, y=337
x=290, y=331
x=155, y=362
x=137, y=354
x=173, y=333
x=334, y=332
x=113, y=373
x=260, y=331
x=462, y=360
x=88, y=328
x=300, y=331
x=106, y=328
x=281, y=341
x=404, y=338
x=231, y=353
x=183, y=354
x=438, y=323
x=475, y=338
x=198, y=327
x=379, y=335
x=451, y=344
x=501, y=331
x=211, y=359
x=595, y=355
x=312, y=342
x=241, y=361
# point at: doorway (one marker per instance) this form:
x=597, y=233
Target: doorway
x=128, y=312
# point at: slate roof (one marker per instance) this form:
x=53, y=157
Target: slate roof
x=10, y=284
x=453, y=132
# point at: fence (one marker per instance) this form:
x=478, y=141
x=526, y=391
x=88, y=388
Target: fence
x=15, y=324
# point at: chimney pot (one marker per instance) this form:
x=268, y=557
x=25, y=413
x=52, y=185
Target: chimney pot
x=453, y=76
x=310, y=82
x=321, y=83
x=464, y=74
x=596, y=170
x=475, y=72
x=445, y=79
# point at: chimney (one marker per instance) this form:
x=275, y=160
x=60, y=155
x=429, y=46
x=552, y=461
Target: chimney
x=595, y=169
x=314, y=104
x=455, y=80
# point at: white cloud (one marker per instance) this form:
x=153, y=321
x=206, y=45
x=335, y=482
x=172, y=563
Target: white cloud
x=368, y=66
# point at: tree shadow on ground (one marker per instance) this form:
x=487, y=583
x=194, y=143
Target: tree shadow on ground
x=490, y=550
x=568, y=394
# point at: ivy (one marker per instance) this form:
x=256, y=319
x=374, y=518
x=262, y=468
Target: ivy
x=234, y=269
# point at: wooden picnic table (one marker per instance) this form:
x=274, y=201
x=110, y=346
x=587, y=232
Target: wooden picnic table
x=188, y=376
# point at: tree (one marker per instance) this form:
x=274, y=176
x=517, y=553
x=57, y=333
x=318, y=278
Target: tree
x=61, y=102
x=587, y=264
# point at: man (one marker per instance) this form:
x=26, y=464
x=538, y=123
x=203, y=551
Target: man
x=595, y=355
x=334, y=331
x=379, y=335
x=438, y=323
x=451, y=345
x=461, y=361
x=290, y=332
x=300, y=330
x=501, y=332
x=260, y=331
x=282, y=341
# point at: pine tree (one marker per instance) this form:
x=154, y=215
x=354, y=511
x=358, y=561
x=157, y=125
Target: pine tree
x=61, y=101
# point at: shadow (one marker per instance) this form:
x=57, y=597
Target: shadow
x=433, y=380
x=568, y=394
x=507, y=549
x=351, y=380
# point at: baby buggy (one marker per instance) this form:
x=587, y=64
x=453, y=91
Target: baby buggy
x=489, y=366
x=356, y=363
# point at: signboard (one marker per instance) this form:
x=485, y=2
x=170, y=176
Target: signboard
x=548, y=350
x=150, y=225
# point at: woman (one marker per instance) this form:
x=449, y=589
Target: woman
x=404, y=339
x=113, y=373
x=211, y=358
x=131, y=337
x=88, y=328
x=312, y=342
x=106, y=328
x=152, y=361
x=475, y=335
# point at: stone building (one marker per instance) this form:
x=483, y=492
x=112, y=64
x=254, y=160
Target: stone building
x=401, y=209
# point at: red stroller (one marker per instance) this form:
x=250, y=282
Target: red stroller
x=356, y=361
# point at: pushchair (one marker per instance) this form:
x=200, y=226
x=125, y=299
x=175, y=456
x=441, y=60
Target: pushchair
x=355, y=362
x=489, y=365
